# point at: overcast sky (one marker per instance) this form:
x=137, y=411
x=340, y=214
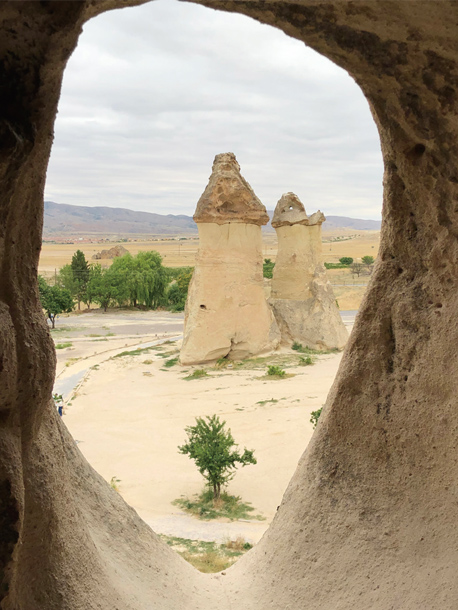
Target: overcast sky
x=153, y=93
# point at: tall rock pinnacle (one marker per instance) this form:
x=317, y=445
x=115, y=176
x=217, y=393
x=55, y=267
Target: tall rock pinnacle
x=302, y=298
x=226, y=312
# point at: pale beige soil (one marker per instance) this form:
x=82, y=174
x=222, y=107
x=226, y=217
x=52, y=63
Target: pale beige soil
x=129, y=417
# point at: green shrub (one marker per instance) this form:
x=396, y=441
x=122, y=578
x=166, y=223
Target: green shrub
x=306, y=360
x=268, y=268
x=63, y=345
x=335, y=266
x=171, y=362
x=206, y=507
x=275, y=371
x=197, y=374
x=315, y=416
x=346, y=260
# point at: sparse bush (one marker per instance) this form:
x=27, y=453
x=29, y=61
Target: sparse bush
x=171, y=362
x=306, y=360
x=205, y=507
x=114, y=483
x=268, y=268
x=221, y=363
x=275, y=371
x=239, y=544
x=315, y=416
x=197, y=374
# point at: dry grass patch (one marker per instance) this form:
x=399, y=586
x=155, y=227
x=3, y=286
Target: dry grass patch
x=204, y=507
x=208, y=557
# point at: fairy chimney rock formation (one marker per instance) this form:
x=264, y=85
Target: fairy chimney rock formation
x=302, y=298
x=226, y=311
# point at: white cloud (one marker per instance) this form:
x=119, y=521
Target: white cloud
x=152, y=93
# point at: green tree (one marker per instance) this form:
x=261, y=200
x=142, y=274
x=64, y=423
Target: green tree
x=177, y=293
x=54, y=300
x=101, y=288
x=141, y=279
x=184, y=279
x=81, y=272
x=346, y=260
x=368, y=260
x=210, y=446
x=153, y=279
x=65, y=279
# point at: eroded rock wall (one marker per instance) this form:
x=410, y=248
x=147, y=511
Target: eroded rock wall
x=369, y=518
x=227, y=314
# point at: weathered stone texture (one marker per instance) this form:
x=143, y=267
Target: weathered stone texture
x=228, y=197
x=226, y=311
x=369, y=518
x=301, y=295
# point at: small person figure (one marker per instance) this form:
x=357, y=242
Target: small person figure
x=59, y=402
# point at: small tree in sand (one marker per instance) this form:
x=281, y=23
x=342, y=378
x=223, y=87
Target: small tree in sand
x=210, y=446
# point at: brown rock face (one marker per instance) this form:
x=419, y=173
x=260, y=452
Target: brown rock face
x=228, y=196
x=113, y=252
x=369, y=518
x=289, y=211
x=301, y=296
x=226, y=311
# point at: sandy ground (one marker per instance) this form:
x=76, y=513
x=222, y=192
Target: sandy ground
x=129, y=415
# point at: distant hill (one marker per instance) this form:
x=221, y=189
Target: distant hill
x=65, y=219
x=342, y=222
x=62, y=219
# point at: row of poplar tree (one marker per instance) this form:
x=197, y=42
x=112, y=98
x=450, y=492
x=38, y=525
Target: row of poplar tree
x=139, y=280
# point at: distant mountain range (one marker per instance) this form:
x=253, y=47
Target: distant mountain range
x=62, y=219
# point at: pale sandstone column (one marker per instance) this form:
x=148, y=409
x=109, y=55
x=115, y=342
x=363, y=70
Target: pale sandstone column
x=302, y=298
x=226, y=311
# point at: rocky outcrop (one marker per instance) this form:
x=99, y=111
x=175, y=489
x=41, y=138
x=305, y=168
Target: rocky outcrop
x=369, y=518
x=113, y=252
x=301, y=295
x=226, y=312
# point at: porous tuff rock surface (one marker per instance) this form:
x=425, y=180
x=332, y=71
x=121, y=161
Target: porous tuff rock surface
x=369, y=518
x=226, y=311
x=301, y=296
x=228, y=197
x=290, y=211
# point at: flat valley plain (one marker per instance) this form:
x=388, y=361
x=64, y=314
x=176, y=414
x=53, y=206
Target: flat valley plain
x=181, y=250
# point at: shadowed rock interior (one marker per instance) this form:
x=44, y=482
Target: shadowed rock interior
x=369, y=518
